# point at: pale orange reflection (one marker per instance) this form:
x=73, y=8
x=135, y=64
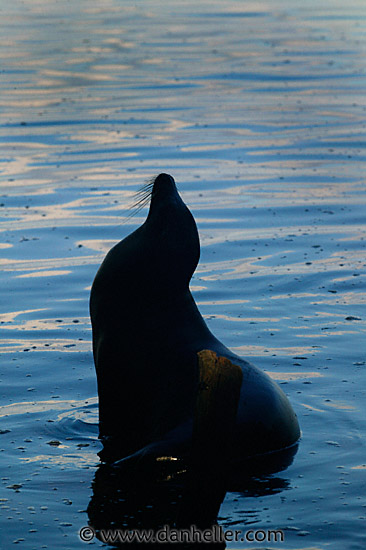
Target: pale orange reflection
x=345, y=298
x=222, y=302
x=43, y=274
x=106, y=137
x=10, y=316
x=99, y=245
x=298, y=295
x=39, y=264
x=50, y=344
x=236, y=269
x=312, y=408
x=44, y=324
x=293, y=375
x=26, y=407
x=328, y=333
x=260, y=350
x=197, y=288
x=79, y=459
x=245, y=319
x=341, y=406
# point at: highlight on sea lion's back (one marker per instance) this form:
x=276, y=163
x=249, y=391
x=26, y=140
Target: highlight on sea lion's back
x=167, y=386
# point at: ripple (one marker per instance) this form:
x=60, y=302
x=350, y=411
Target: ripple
x=258, y=111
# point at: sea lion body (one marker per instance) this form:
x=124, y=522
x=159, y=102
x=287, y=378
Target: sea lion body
x=147, y=333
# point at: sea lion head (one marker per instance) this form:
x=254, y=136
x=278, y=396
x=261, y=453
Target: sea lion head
x=171, y=234
x=156, y=262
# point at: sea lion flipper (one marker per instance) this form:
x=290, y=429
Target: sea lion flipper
x=216, y=404
x=215, y=411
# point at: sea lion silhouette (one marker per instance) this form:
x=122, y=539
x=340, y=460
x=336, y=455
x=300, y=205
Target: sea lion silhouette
x=164, y=379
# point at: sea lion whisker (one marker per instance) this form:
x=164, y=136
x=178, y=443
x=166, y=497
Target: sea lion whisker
x=141, y=201
x=143, y=190
x=137, y=209
x=137, y=206
x=142, y=197
x=147, y=185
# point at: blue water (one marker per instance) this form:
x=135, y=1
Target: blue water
x=258, y=111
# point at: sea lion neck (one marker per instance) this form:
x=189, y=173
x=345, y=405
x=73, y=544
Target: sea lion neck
x=169, y=237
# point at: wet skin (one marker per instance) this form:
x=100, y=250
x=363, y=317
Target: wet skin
x=147, y=332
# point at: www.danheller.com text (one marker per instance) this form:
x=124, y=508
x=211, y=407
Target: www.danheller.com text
x=188, y=535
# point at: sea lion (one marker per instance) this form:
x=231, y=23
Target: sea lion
x=148, y=335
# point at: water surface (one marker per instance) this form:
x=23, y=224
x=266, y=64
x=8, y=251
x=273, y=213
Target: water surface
x=258, y=111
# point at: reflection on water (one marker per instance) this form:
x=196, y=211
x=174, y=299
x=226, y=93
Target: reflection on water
x=27, y=407
x=258, y=112
x=141, y=495
x=44, y=273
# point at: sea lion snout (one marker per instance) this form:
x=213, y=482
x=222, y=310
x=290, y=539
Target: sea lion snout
x=164, y=193
x=163, y=183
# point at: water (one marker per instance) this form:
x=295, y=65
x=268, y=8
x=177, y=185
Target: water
x=258, y=111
